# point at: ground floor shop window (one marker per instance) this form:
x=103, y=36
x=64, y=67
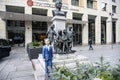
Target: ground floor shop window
x=91, y=30
x=39, y=30
x=77, y=28
x=103, y=32
x=16, y=31
x=114, y=32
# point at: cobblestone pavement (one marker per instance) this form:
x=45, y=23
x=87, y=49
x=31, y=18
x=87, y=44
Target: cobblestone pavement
x=16, y=67
x=109, y=54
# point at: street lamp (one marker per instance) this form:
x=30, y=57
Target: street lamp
x=111, y=14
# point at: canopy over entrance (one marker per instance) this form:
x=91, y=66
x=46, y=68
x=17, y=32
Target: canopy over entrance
x=29, y=17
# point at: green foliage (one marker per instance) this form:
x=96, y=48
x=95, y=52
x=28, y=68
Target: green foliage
x=35, y=44
x=116, y=72
x=85, y=71
x=80, y=72
x=103, y=70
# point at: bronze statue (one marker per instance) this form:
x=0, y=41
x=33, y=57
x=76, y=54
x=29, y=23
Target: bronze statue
x=51, y=34
x=70, y=36
x=65, y=41
x=58, y=5
x=59, y=42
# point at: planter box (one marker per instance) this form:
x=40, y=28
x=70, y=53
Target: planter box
x=33, y=53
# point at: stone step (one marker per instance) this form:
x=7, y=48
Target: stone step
x=70, y=65
x=69, y=60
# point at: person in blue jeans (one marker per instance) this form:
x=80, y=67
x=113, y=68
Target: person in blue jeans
x=90, y=44
x=47, y=53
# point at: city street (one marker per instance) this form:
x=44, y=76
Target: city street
x=18, y=67
x=110, y=55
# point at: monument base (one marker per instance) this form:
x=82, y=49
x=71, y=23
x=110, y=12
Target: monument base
x=59, y=22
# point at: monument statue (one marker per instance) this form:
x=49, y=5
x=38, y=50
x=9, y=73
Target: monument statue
x=51, y=33
x=70, y=36
x=59, y=42
x=58, y=5
x=65, y=41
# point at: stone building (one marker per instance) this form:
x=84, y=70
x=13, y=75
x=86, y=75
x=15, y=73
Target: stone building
x=30, y=19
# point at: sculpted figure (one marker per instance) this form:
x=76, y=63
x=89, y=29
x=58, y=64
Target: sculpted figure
x=58, y=5
x=70, y=35
x=59, y=41
x=51, y=34
x=65, y=41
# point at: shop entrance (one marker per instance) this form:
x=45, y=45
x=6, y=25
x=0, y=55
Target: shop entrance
x=16, y=31
x=39, y=30
x=77, y=28
x=91, y=33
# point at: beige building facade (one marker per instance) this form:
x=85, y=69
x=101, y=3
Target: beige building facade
x=29, y=20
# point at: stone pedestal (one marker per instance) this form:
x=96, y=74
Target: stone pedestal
x=59, y=22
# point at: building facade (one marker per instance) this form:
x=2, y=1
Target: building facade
x=29, y=20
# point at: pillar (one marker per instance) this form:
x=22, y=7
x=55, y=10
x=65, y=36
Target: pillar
x=3, y=30
x=94, y=4
x=118, y=31
x=81, y=3
x=65, y=1
x=109, y=31
x=28, y=26
x=98, y=30
x=85, y=30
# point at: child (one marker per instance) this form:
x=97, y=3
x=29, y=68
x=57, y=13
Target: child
x=47, y=53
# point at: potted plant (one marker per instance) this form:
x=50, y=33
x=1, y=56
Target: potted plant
x=34, y=49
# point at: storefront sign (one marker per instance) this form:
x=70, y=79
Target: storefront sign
x=30, y=3
x=51, y=5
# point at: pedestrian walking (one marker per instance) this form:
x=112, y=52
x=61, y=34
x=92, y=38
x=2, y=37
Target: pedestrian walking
x=90, y=44
x=47, y=53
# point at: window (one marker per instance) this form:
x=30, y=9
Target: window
x=90, y=4
x=40, y=26
x=15, y=23
x=75, y=2
x=54, y=0
x=113, y=0
x=103, y=6
x=113, y=9
x=15, y=9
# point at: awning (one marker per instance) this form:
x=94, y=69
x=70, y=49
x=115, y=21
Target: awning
x=30, y=17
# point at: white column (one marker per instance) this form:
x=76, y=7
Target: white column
x=85, y=30
x=3, y=32
x=28, y=26
x=109, y=31
x=118, y=31
x=98, y=30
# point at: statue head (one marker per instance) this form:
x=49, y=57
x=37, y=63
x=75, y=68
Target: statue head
x=65, y=31
x=70, y=28
x=58, y=5
x=52, y=26
x=60, y=32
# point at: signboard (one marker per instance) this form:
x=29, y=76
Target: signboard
x=45, y=3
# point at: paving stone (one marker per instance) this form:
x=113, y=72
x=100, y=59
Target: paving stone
x=19, y=74
x=24, y=67
x=4, y=73
x=24, y=78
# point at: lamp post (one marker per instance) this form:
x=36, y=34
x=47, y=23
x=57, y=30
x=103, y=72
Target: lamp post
x=111, y=14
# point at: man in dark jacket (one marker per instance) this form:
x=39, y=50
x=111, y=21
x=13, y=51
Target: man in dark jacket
x=47, y=53
x=90, y=44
